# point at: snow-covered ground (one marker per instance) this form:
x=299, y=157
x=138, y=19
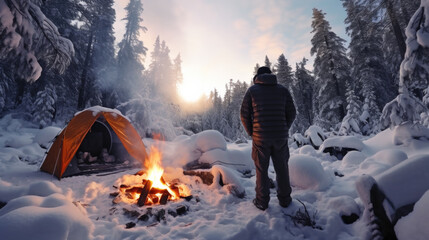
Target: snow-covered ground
x=39, y=206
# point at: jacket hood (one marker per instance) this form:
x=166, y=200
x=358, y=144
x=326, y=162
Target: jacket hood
x=266, y=79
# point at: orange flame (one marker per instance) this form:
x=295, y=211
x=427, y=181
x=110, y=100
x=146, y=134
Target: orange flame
x=155, y=171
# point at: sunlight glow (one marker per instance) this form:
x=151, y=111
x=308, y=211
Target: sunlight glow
x=190, y=90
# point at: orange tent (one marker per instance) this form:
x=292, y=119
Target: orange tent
x=68, y=141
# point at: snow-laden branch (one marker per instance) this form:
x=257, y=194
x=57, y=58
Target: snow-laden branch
x=28, y=37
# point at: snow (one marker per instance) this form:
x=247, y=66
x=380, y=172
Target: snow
x=97, y=109
x=80, y=207
x=381, y=161
x=342, y=142
x=406, y=182
x=307, y=173
x=315, y=135
x=51, y=217
x=353, y=158
x=412, y=227
x=46, y=136
x=405, y=132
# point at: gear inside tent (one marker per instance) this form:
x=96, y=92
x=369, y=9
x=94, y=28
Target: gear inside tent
x=96, y=140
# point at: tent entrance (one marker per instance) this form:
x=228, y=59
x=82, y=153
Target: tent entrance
x=100, y=151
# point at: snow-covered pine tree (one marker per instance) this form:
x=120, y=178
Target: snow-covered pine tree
x=267, y=63
x=255, y=69
x=394, y=16
x=163, y=74
x=28, y=37
x=302, y=92
x=103, y=54
x=284, y=72
x=177, y=70
x=350, y=123
x=65, y=14
x=331, y=70
x=211, y=119
x=366, y=54
x=368, y=63
x=99, y=60
x=167, y=87
x=44, y=106
x=131, y=53
x=407, y=107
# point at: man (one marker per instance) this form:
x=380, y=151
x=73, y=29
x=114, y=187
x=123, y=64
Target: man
x=267, y=112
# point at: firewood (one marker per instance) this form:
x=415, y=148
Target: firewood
x=134, y=190
x=160, y=215
x=172, y=213
x=130, y=225
x=114, y=194
x=187, y=198
x=175, y=189
x=164, y=197
x=140, y=173
x=182, y=209
x=206, y=177
x=144, y=193
x=156, y=190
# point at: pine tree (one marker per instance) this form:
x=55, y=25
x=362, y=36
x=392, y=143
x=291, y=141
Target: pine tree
x=407, y=107
x=131, y=53
x=350, y=124
x=103, y=54
x=302, y=93
x=284, y=72
x=368, y=62
x=331, y=69
x=268, y=63
x=44, y=106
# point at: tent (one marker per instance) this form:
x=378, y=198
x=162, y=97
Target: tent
x=94, y=131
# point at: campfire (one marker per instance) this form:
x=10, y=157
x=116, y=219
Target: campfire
x=147, y=187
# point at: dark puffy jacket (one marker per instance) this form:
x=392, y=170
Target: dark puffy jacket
x=267, y=111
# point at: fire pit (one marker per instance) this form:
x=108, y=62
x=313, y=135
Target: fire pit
x=147, y=187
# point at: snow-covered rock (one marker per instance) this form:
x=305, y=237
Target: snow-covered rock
x=414, y=226
x=309, y=150
x=209, y=140
x=406, y=182
x=229, y=178
x=52, y=218
x=44, y=188
x=307, y=173
x=350, y=142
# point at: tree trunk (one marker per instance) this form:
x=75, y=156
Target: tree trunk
x=337, y=85
x=81, y=99
x=396, y=28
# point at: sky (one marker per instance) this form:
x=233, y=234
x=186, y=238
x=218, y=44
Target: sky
x=224, y=39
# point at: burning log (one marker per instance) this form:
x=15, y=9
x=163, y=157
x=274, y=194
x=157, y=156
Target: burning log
x=144, y=193
x=164, y=197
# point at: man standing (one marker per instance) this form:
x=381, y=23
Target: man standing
x=267, y=112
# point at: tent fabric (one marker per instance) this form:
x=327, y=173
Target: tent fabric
x=68, y=141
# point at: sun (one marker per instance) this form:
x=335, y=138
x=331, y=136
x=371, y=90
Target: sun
x=191, y=89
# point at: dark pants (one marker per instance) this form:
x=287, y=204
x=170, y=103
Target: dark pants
x=278, y=150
